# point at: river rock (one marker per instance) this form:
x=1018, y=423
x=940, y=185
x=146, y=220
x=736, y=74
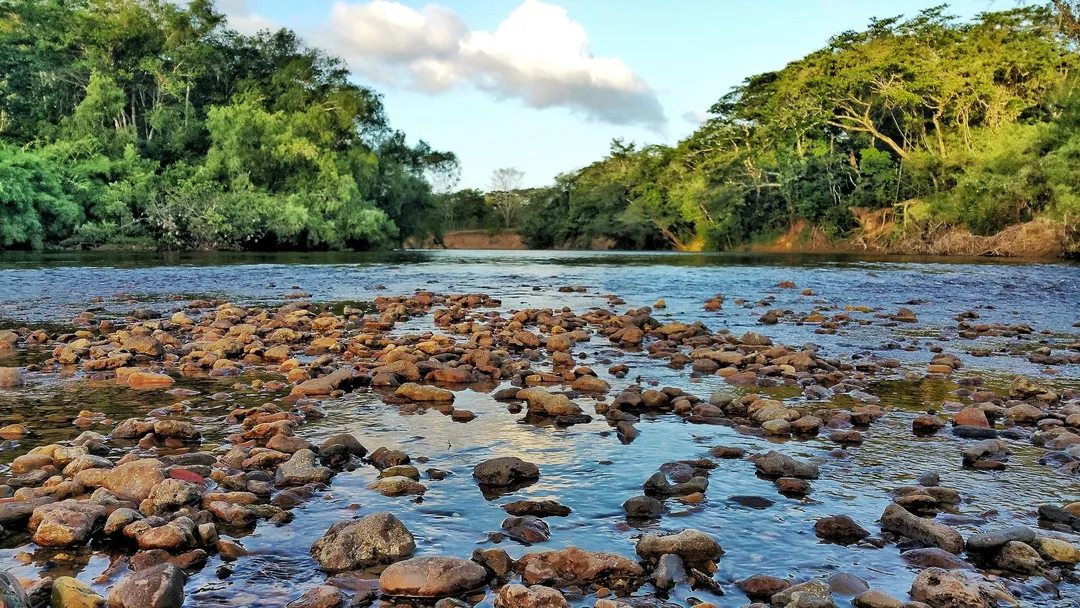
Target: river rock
x=301, y=469
x=971, y=416
x=526, y=529
x=1023, y=388
x=378, y=538
x=573, y=566
x=992, y=541
x=84, y=462
x=645, y=507
x=119, y=519
x=143, y=345
x=875, y=599
x=590, y=384
x=66, y=523
x=323, y=596
x=669, y=572
x=341, y=379
x=424, y=394
x=538, y=508
x=536, y=596
x=232, y=514
x=397, y=486
x=68, y=592
x=762, y=586
x=987, y=449
x=432, y=577
x=143, y=380
x=129, y=481
x=950, y=589
x=900, y=521
x=775, y=464
x=171, y=494
x=1024, y=414
x=160, y=586
x=1056, y=550
x=176, y=534
x=840, y=529
x=12, y=594
x=497, y=561
x=815, y=594
x=1019, y=557
x=550, y=404
x=505, y=471
x=10, y=377
x=176, y=429
x=351, y=443
x=658, y=485
x=933, y=557
x=692, y=546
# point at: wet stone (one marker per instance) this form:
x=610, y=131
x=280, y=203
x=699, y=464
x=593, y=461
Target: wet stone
x=352, y=544
x=432, y=577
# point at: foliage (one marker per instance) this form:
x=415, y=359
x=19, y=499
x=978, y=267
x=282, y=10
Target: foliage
x=151, y=121
x=979, y=119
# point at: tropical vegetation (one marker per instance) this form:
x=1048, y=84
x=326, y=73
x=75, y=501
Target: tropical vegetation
x=931, y=120
x=149, y=122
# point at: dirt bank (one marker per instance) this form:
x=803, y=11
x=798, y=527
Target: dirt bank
x=878, y=233
x=472, y=239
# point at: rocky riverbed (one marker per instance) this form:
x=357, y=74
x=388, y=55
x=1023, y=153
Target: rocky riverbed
x=456, y=432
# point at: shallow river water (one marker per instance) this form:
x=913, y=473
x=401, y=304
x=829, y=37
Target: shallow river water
x=585, y=467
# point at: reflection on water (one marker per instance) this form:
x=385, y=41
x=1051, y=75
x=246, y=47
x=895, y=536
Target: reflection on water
x=584, y=467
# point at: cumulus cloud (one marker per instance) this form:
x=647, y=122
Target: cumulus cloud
x=696, y=117
x=243, y=19
x=537, y=55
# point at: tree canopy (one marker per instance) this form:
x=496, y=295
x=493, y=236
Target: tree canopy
x=147, y=121
x=969, y=123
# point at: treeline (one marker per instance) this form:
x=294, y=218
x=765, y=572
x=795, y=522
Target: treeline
x=938, y=121
x=150, y=123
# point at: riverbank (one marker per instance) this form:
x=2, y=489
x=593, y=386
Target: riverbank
x=1038, y=239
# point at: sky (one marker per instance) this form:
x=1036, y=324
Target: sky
x=545, y=85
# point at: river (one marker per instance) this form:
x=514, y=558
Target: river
x=585, y=467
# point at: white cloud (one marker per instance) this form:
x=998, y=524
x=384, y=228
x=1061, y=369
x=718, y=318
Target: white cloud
x=696, y=117
x=537, y=55
x=242, y=19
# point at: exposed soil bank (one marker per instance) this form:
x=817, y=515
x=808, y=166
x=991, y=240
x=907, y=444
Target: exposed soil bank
x=473, y=239
x=1035, y=239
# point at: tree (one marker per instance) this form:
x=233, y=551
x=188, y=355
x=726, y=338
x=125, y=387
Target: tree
x=176, y=131
x=963, y=122
x=507, y=201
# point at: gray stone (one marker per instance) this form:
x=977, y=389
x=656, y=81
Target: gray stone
x=669, y=572
x=900, y=521
x=160, y=586
x=353, y=544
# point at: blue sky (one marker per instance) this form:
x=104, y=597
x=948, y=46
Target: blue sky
x=544, y=86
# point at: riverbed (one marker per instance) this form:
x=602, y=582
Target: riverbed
x=587, y=467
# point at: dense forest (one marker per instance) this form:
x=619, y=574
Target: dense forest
x=931, y=120
x=148, y=123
